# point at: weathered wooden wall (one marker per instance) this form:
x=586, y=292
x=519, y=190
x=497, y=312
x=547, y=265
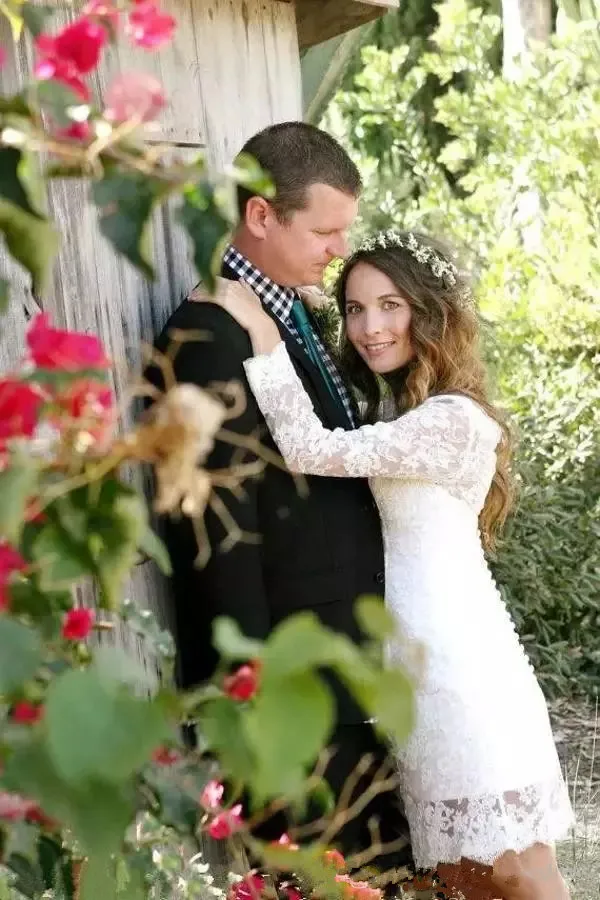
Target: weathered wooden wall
x=232, y=69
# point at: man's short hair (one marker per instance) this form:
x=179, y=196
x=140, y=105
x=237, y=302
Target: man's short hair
x=297, y=155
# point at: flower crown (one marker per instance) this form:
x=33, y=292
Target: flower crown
x=424, y=254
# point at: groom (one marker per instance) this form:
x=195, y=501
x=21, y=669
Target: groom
x=317, y=552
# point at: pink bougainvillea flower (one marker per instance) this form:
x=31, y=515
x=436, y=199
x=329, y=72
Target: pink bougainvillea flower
x=134, y=95
x=105, y=10
x=292, y=893
x=88, y=406
x=251, y=887
x=243, y=684
x=334, y=858
x=14, y=807
x=50, y=69
x=358, y=890
x=165, y=756
x=10, y=561
x=54, y=348
x=20, y=406
x=78, y=624
x=212, y=795
x=149, y=27
x=2, y=56
x=25, y=713
x=79, y=45
x=286, y=842
x=226, y=823
x=77, y=131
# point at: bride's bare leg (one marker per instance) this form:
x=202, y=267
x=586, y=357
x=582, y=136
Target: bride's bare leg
x=530, y=875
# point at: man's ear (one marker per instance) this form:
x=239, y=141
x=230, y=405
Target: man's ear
x=258, y=211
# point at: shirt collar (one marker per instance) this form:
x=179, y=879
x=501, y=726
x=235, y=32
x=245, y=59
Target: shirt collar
x=279, y=299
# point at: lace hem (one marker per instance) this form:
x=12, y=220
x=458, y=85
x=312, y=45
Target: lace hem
x=483, y=828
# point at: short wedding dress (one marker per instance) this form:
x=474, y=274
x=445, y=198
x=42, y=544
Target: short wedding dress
x=480, y=773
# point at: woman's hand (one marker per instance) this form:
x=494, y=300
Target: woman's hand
x=244, y=306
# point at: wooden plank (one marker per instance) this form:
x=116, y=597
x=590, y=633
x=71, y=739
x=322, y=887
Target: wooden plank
x=249, y=71
x=319, y=20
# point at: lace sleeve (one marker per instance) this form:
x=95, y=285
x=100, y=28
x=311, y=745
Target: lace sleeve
x=432, y=442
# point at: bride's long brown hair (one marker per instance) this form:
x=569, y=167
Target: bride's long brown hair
x=444, y=331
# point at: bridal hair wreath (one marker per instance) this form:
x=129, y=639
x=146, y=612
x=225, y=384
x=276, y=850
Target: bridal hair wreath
x=423, y=253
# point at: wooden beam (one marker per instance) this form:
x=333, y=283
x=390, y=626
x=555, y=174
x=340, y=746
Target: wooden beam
x=319, y=20
x=323, y=68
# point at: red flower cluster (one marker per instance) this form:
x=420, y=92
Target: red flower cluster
x=72, y=54
x=25, y=713
x=251, y=887
x=244, y=683
x=55, y=348
x=15, y=808
x=134, y=95
x=225, y=822
x=78, y=624
x=165, y=756
x=10, y=562
x=20, y=406
x=358, y=890
x=148, y=27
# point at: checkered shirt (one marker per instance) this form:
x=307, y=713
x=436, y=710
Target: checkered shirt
x=280, y=301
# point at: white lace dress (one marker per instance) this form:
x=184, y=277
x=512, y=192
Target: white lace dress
x=480, y=772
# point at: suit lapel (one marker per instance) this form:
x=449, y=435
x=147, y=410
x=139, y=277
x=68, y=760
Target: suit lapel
x=334, y=414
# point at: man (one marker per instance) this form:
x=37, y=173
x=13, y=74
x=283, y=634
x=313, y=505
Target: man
x=317, y=552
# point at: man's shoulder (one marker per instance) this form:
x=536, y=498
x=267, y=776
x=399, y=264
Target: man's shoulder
x=192, y=313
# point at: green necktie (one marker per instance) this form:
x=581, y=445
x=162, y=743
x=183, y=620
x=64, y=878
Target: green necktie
x=303, y=326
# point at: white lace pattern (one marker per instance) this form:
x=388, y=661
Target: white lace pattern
x=480, y=773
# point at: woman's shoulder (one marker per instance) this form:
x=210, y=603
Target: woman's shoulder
x=466, y=410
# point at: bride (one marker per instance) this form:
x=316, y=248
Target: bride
x=481, y=780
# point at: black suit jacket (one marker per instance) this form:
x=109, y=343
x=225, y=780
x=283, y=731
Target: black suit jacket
x=317, y=552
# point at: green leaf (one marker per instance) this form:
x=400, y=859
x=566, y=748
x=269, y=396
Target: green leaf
x=57, y=98
x=98, y=731
x=62, y=559
x=116, y=532
x=4, y=295
x=389, y=697
x=374, y=618
x=126, y=201
x=98, y=879
x=31, y=240
x=248, y=173
x=20, y=654
x=301, y=643
x=97, y=812
x=27, y=597
x=36, y=17
x=284, y=753
x=208, y=228
x=17, y=104
x=231, y=643
x=11, y=182
x=18, y=483
x=221, y=726
x=15, y=20
x=152, y=546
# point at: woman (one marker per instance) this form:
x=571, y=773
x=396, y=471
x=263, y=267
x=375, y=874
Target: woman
x=480, y=775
